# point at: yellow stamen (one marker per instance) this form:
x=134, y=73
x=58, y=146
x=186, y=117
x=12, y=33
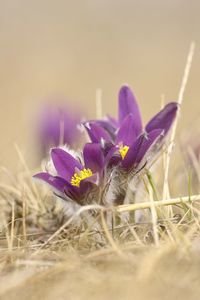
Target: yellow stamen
x=123, y=151
x=83, y=174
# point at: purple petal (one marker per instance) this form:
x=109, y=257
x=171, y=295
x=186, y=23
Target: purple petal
x=49, y=126
x=139, y=148
x=88, y=184
x=128, y=105
x=106, y=147
x=92, y=179
x=58, y=183
x=127, y=134
x=93, y=157
x=65, y=163
x=96, y=132
x=57, y=125
x=108, y=126
x=113, y=157
x=164, y=118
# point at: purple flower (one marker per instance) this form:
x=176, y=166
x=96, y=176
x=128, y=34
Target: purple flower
x=57, y=125
x=125, y=140
x=73, y=178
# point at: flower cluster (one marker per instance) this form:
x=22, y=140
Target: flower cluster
x=118, y=149
x=57, y=125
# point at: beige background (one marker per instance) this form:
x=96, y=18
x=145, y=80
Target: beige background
x=74, y=47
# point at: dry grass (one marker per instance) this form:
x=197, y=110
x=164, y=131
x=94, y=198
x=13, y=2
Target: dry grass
x=45, y=254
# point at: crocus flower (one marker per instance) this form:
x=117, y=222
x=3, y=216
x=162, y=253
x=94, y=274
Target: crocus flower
x=74, y=179
x=57, y=125
x=126, y=135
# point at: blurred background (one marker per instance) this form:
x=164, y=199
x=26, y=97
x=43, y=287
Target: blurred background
x=71, y=48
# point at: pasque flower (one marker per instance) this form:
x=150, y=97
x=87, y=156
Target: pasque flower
x=57, y=125
x=117, y=148
x=73, y=178
x=126, y=136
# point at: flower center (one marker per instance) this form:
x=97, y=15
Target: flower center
x=78, y=177
x=123, y=151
